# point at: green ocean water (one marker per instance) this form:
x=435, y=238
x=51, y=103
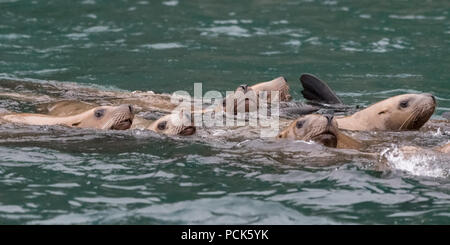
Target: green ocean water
x=366, y=51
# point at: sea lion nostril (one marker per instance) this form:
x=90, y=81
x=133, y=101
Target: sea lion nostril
x=244, y=87
x=329, y=118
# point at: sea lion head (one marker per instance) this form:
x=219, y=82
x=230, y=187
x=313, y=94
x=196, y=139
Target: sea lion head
x=105, y=117
x=244, y=99
x=102, y=117
x=278, y=84
x=176, y=123
x=402, y=112
x=248, y=96
x=319, y=128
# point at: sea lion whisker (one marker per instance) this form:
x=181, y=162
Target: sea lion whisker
x=108, y=124
x=118, y=119
x=112, y=121
x=406, y=120
x=414, y=116
x=417, y=114
x=315, y=130
x=415, y=111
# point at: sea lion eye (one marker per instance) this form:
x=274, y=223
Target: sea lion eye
x=299, y=124
x=162, y=125
x=404, y=104
x=99, y=113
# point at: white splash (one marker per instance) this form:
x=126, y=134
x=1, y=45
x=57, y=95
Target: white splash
x=438, y=132
x=77, y=36
x=13, y=36
x=293, y=43
x=170, y=3
x=163, y=45
x=233, y=30
x=98, y=29
x=279, y=22
x=416, y=17
x=420, y=164
x=88, y=2
x=223, y=22
x=386, y=44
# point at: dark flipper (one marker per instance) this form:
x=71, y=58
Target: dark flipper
x=296, y=109
x=316, y=90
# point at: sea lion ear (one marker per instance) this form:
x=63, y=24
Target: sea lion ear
x=75, y=124
x=385, y=110
x=281, y=135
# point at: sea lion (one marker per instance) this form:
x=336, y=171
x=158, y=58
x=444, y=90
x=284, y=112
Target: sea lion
x=102, y=117
x=69, y=108
x=402, y=112
x=322, y=129
x=174, y=124
x=144, y=101
x=65, y=108
x=278, y=84
x=250, y=95
x=247, y=99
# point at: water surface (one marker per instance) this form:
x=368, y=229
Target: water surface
x=365, y=50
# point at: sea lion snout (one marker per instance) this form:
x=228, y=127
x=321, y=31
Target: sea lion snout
x=329, y=118
x=122, y=125
x=422, y=108
x=430, y=95
x=122, y=117
x=189, y=130
x=126, y=108
x=319, y=128
x=176, y=123
x=244, y=87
